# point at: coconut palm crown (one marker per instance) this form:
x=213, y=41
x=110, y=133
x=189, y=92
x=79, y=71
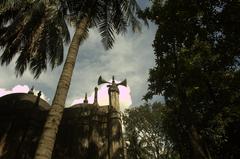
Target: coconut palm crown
x=33, y=30
x=109, y=16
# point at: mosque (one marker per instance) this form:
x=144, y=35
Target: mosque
x=87, y=130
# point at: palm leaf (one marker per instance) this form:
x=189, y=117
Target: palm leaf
x=106, y=27
x=25, y=28
x=55, y=46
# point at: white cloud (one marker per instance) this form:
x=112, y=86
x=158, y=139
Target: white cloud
x=16, y=89
x=21, y=89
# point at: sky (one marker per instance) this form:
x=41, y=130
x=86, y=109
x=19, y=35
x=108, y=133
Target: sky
x=131, y=58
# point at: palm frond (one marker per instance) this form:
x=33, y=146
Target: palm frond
x=9, y=53
x=105, y=25
x=61, y=23
x=107, y=33
x=131, y=9
x=38, y=61
x=119, y=18
x=10, y=41
x=26, y=48
x=12, y=30
x=6, y=16
x=54, y=45
x=22, y=62
x=24, y=29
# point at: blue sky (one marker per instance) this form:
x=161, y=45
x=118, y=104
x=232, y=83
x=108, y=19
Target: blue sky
x=131, y=58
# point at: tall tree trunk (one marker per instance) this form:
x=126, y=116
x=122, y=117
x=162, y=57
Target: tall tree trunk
x=198, y=151
x=47, y=140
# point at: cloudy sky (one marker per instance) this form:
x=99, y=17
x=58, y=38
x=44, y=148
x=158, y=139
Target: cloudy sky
x=130, y=58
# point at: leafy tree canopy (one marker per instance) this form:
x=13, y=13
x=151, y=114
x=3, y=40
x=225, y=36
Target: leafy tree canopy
x=144, y=133
x=33, y=30
x=197, y=71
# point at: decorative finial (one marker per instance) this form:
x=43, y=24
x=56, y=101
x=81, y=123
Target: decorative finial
x=31, y=90
x=95, y=96
x=85, y=100
x=39, y=94
x=38, y=97
x=113, y=81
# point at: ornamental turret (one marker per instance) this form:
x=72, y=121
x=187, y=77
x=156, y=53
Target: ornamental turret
x=113, y=91
x=85, y=99
x=95, y=102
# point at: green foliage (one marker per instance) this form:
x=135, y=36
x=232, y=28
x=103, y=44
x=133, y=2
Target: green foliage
x=197, y=71
x=110, y=17
x=145, y=134
x=35, y=31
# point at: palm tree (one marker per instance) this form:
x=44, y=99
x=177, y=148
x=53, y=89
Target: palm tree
x=33, y=30
x=42, y=43
x=110, y=17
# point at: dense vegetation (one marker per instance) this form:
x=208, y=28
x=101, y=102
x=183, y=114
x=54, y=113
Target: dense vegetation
x=145, y=134
x=197, y=48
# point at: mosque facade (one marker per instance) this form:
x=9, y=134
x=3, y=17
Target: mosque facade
x=87, y=130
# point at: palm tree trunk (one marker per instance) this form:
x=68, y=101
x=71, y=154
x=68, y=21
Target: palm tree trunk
x=47, y=140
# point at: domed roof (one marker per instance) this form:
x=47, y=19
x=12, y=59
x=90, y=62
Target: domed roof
x=22, y=117
x=10, y=101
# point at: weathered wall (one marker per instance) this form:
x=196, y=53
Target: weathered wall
x=83, y=133
x=21, y=122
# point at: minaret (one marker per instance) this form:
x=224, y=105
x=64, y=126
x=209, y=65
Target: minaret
x=95, y=102
x=114, y=129
x=113, y=93
x=85, y=100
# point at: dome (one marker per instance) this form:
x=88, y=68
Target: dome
x=22, y=117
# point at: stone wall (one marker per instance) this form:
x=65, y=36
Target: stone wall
x=83, y=133
x=21, y=123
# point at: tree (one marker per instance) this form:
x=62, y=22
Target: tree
x=110, y=17
x=197, y=71
x=144, y=133
x=33, y=30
